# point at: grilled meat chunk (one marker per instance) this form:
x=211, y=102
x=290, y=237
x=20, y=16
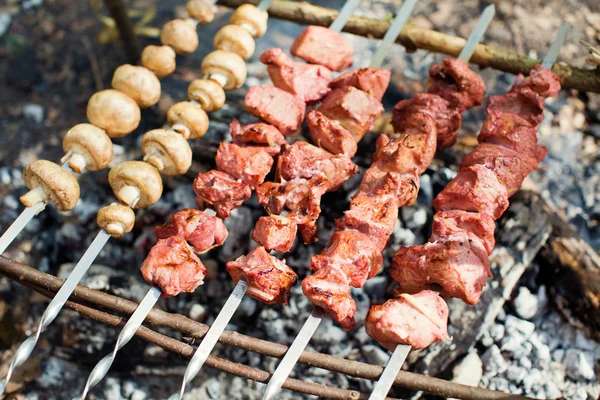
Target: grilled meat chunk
x=319, y=45
x=354, y=109
x=248, y=164
x=269, y=279
x=374, y=81
x=454, y=81
x=261, y=135
x=330, y=135
x=416, y=320
x=308, y=82
x=173, y=267
x=277, y=107
x=275, y=233
x=203, y=232
x=481, y=225
x=220, y=191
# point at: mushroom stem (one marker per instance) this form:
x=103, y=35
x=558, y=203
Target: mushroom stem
x=249, y=28
x=34, y=196
x=129, y=195
x=115, y=229
x=77, y=163
x=182, y=130
x=155, y=160
x=219, y=78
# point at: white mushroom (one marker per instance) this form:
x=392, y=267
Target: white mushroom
x=113, y=111
x=139, y=83
x=181, y=35
x=208, y=93
x=200, y=10
x=159, y=59
x=87, y=147
x=50, y=182
x=136, y=183
x=235, y=39
x=188, y=119
x=168, y=151
x=225, y=67
x=249, y=17
x=116, y=219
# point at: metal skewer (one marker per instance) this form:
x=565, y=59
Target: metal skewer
x=386, y=380
x=235, y=298
x=290, y=359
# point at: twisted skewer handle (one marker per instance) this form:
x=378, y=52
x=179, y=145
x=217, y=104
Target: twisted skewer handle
x=128, y=331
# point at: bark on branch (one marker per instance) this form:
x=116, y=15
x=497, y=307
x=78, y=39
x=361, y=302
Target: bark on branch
x=413, y=38
x=38, y=280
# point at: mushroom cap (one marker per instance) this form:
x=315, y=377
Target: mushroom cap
x=190, y=115
x=208, y=93
x=139, y=83
x=90, y=142
x=235, y=39
x=140, y=175
x=116, y=219
x=59, y=186
x=159, y=59
x=181, y=35
x=113, y=111
x=200, y=10
x=172, y=153
x=227, y=64
x=248, y=15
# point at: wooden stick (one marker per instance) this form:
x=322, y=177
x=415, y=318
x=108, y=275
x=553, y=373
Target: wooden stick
x=31, y=277
x=118, y=12
x=413, y=37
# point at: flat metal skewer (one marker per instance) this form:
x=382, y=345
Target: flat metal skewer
x=485, y=19
x=388, y=376
x=291, y=357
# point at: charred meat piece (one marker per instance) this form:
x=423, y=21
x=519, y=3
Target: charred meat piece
x=374, y=81
x=416, y=320
x=173, y=267
x=454, y=81
x=419, y=112
x=303, y=160
x=308, y=82
x=275, y=233
x=249, y=164
x=476, y=189
x=481, y=225
x=451, y=265
x=277, y=107
x=202, y=231
x=269, y=279
x=377, y=182
x=319, y=45
x=512, y=132
x=541, y=80
x=354, y=109
x=264, y=136
x=220, y=191
x=352, y=252
x=329, y=289
x=405, y=153
x=330, y=135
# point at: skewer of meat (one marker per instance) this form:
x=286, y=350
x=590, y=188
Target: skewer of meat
x=456, y=258
x=260, y=274
x=355, y=251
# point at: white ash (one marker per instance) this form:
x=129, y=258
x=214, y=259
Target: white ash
x=526, y=304
x=35, y=112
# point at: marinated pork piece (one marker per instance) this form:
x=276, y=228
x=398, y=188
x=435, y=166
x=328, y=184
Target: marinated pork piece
x=303, y=160
x=451, y=265
x=173, y=267
x=261, y=135
x=512, y=132
x=220, y=191
x=329, y=289
x=541, y=80
x=277, y=107
x=330, y=135
x=374, y=81
x=354, y=253
x=308, y=82
x=405, y=153
x=275, y=233
x=248, y=164
x=476, y=189
x=203, y=232
x=480, y=225
x=319, y=45
x=454, y=81
x=424, y=108
x=416, y=320
x=354, y=109
x=269, y=279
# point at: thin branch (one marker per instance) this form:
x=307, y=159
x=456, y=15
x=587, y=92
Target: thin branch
x=27, y=275
x=413, y=37
x=118, y=12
